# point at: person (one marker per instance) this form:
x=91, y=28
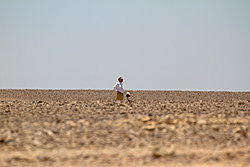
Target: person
x=118, y=87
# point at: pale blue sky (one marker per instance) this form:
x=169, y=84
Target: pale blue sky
x=153, y=44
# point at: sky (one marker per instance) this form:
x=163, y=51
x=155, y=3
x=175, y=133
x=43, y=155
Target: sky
x=201, y=45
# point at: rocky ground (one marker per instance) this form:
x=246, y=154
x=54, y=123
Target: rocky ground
x=76, y=128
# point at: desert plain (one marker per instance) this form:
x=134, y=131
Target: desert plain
x=75, y=128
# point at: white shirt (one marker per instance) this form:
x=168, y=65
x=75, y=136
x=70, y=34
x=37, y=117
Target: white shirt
x=119, y=87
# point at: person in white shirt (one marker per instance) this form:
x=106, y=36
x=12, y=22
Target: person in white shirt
x=118, y=87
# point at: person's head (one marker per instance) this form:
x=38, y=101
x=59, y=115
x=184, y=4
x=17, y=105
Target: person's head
x=120, y=79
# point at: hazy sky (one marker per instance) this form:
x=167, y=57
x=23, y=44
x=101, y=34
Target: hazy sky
x=153, y=44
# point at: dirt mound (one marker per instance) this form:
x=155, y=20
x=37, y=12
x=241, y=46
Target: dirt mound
x=155, y=128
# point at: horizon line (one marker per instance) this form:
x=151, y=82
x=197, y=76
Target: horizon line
x=184, y=90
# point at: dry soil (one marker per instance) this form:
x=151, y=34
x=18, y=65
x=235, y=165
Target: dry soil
x=77, y=128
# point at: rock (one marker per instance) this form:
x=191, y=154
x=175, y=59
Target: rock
x=145, y=119
x=71, y=123
x=201, y=122
x=150, y=127
x=241, y=102
x=49, y=133
x=163, y=152
x=37, y=143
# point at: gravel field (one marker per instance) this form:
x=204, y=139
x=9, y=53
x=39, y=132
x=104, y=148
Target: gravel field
x=74, y=128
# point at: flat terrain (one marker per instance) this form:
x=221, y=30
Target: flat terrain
x=74, y=128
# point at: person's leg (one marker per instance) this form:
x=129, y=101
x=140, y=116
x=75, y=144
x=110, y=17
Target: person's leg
x=119, y=96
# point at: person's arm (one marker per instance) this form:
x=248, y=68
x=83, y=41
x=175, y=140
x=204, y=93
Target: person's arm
x=115, y=87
